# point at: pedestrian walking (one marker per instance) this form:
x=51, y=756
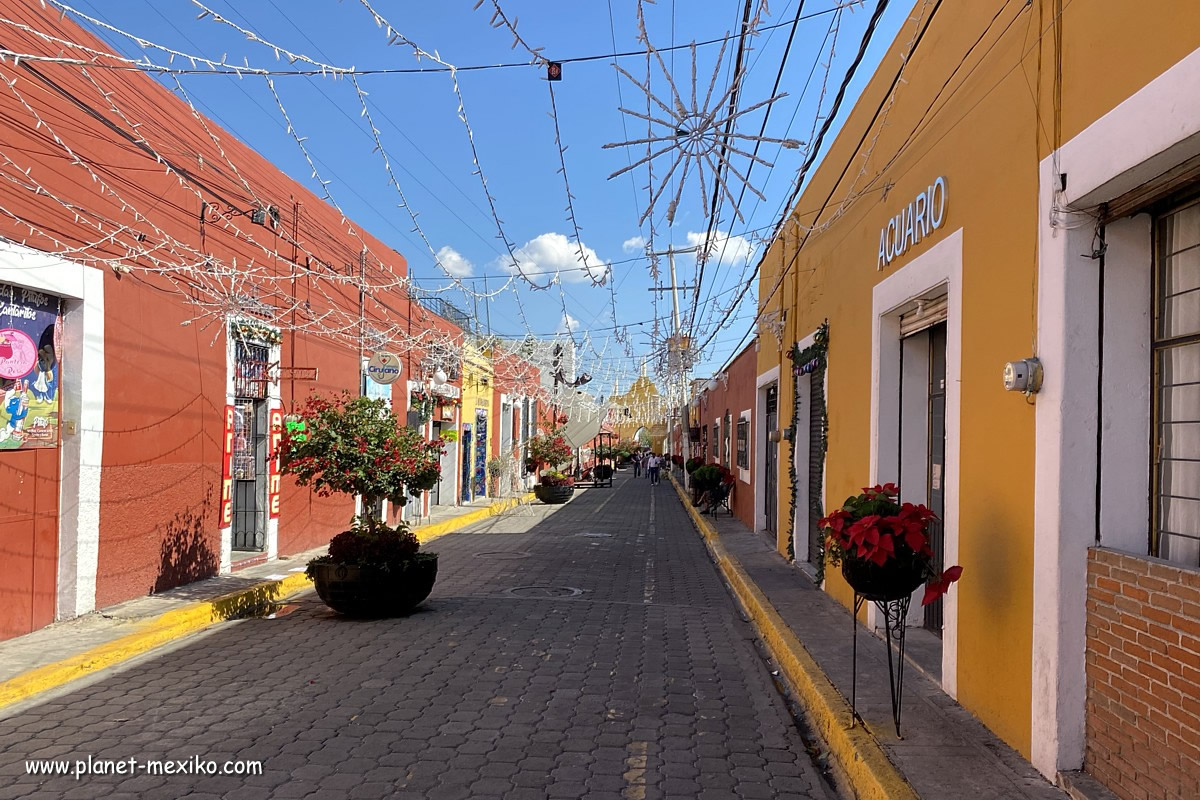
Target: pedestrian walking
x=652, y=466
x=637, y=465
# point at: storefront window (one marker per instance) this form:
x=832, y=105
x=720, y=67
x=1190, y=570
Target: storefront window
x=1176, y=532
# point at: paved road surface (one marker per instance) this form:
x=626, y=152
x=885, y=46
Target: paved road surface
x=624, y=673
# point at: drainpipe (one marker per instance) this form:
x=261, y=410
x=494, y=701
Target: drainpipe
x=1098, y=253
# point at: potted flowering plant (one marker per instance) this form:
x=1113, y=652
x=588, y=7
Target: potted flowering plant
x=554, y=487
x=357, y=446
x=882, y=546
x=551, y=449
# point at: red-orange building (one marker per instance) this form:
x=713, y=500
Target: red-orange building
x=161, y=271
x=724, y=410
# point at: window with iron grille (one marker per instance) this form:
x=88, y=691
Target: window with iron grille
x=716, y=442
x=743, y=444
x=250, y=372
x=1175, y=534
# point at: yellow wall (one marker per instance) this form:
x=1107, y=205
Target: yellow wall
x=987, y=136
x=646, y=409
x=477, y=367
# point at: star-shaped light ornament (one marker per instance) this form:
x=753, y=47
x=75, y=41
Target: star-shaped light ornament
x=697, y=136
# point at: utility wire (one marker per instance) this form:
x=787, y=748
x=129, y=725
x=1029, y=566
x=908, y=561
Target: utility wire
x=712, y=220
x=156, y=68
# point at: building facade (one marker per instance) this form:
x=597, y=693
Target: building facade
x=999, y=193
x=167, y=299
x=723, y=411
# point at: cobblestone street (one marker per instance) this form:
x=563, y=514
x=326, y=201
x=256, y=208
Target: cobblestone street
x=579, y=651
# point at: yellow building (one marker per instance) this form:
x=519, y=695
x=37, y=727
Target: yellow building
x=640, y=410
x=1013, y=182
x=478, y=377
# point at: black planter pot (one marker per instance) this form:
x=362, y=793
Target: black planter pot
x=553, y=495
x=603, y=472
x=892, y=581
x=368, y=593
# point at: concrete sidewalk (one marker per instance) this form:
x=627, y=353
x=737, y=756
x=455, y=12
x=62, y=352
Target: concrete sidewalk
x=71, y=649
x=945, y=752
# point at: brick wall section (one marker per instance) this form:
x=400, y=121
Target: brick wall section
x=1143, y=676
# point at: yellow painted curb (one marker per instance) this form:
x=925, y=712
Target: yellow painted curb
x=172, y=625
x=152, y=633
x=428, y=533
x=872, y=776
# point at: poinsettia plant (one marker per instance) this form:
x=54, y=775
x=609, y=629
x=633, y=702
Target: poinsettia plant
x=357, y=446
x=551, y=477
x=874, y=527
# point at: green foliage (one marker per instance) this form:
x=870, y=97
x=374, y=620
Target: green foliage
x=706, y=477
x=812, y=360
x=371, y=543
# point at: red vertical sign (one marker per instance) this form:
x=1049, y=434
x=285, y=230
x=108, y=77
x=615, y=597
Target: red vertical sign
x=276, y=428
x=227, y=470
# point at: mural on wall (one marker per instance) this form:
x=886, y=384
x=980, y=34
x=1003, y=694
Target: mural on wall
x=481, y=441
x=466, y=463
x=29, y=368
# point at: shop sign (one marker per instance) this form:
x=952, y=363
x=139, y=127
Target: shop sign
x=383, y=368
x=275, y=426
x=227, y=469
x=379, y=391
x=923, y=215
x=29, y=368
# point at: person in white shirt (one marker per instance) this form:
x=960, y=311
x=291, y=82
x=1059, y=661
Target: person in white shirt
x=652, y=467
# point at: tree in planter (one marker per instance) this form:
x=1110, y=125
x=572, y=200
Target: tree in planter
x=551, y=449
x=357, y=446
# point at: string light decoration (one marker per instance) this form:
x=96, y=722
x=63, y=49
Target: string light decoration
x=220, y=286
x=697, y=135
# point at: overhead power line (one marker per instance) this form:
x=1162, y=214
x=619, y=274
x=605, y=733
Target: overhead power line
x=155, y=68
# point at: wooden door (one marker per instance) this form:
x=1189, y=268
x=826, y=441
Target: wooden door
x=28, y=539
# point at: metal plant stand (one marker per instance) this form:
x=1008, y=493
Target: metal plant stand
x=895, y=612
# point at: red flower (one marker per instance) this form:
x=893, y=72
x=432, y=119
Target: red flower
x=835, y=521
x=940, y=585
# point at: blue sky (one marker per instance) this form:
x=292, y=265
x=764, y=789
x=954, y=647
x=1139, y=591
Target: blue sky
x=508, y=110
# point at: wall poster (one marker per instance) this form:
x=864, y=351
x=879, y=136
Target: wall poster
x=30, y=332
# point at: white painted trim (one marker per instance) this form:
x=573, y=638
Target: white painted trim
x=941, y=266
x=1153, y=130
x=275, y=403
x=81, y=386
x=761, y=384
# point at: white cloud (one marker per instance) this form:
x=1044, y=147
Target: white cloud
x=553, y=253
x=635, y=245
x=454, y=262
x=568, y=324
x=725, y=249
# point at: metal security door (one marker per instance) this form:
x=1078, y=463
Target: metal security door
x=936, y=479
x=771, y=496
x=816, y=464
x=249, y=478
